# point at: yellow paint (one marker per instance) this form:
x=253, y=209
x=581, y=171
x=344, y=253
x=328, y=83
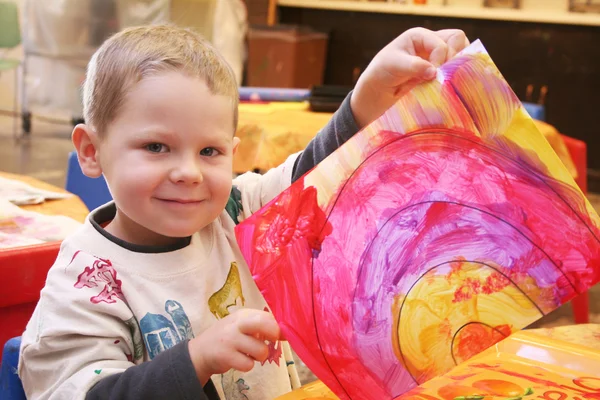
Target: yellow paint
x=433, y=306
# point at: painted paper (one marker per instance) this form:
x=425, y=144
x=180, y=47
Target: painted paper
x=19, y=227
x=440, y=229
x=21, y=193
x=525, y=366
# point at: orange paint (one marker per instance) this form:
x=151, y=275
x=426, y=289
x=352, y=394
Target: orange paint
x=445, y=329
x=474, y=338
x=452, y=391
x=498, y=387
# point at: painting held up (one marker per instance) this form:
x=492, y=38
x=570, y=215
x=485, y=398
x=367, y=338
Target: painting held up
x=441, y=228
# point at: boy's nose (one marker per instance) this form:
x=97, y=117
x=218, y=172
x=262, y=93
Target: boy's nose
x=188, y=173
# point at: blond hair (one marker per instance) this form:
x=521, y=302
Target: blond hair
x=135, y=53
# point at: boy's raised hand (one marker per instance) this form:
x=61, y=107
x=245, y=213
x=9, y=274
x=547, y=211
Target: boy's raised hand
x=411, y=58
x=234, y=342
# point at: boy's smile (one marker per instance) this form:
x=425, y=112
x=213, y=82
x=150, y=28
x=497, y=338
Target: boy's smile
x=167, y=158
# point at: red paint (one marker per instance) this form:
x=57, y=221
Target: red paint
x=471, y=287
x=495, y=282
x=462, y=377
x=101, y=275
x=296, y=216
x=275, y=351
x=580, y=382
x=474, y=338
x=455, y=268
x=274, y=355
x=549, y=395
x=594, y=395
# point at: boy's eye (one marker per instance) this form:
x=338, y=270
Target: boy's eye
x=208, y=152
x=156, y=147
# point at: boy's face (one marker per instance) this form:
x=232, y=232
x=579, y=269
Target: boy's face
x=168, y=158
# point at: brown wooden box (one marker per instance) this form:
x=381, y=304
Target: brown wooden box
x=286, y=57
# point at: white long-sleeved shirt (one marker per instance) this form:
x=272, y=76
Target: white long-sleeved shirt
x=108, y=305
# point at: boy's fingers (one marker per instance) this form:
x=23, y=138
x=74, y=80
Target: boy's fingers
x=241, y=362
x=261, y=323
x=426, y=44
x=456, y=40
x=405, y=67
x=254, y=348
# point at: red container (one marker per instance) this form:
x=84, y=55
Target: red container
x=23, y=271
x=578, y=151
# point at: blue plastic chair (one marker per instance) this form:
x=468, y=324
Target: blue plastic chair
x=92, y=191
x=10, y=384
x=536, y=111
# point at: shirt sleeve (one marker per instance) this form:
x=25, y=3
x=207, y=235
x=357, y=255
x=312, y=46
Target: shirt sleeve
x=82, y=333
x=252, y=191
x=170, y=375
x=340, y=128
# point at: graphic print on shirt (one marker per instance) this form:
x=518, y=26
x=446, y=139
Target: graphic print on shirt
x=100, y=274
x=228, y=295
x=136, y=338
x=275, y=350
x=161, y=332
x=233, y=388
x=234, y=205
x=219, y=303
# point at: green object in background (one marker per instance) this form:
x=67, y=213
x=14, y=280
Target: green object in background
x=10, y=37
x=10, y=33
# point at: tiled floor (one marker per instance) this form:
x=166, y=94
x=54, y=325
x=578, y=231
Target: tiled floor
x=44, y=156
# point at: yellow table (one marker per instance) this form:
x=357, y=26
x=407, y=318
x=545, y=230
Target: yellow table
x=70, y=207
x=580, y=340
x=271, y=132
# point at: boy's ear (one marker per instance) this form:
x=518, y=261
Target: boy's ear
x=86, y=141
x=236, y=144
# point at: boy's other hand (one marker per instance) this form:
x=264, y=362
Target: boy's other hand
x=412, y=57
x=236, y=341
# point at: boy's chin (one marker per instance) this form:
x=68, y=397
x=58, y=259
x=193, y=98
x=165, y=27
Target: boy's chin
x=178, y=232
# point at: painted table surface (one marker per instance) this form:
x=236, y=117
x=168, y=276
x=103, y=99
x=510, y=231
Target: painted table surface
x=550, y=363
x=71, y=207
x=271, y=132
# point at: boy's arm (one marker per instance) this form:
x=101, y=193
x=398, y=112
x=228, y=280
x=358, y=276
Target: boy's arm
x=170, y=375
x=340, y=128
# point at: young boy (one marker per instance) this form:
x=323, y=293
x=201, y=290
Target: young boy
x=157, y=274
